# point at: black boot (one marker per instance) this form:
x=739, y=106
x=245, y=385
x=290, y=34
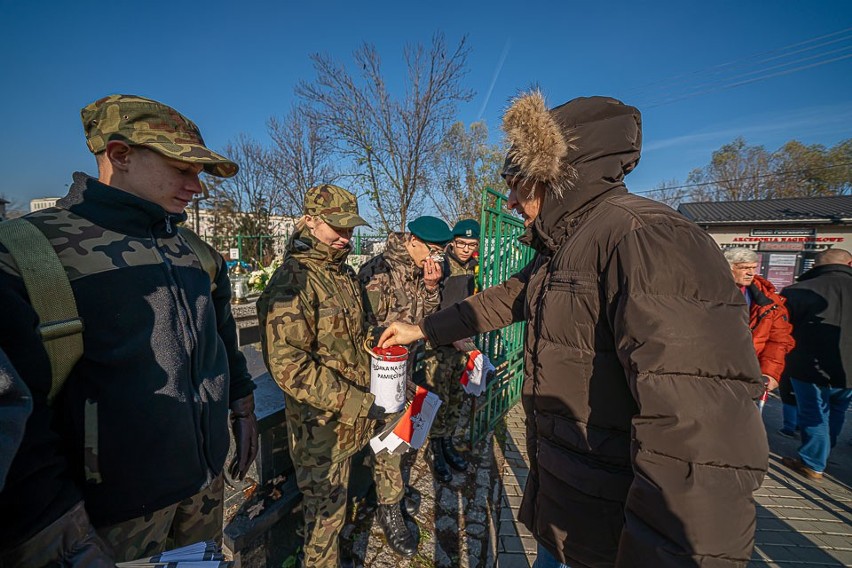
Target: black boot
x=396, y=531
x=439, y=465
x=411, y=501
x=345, y=558
x=456, y=461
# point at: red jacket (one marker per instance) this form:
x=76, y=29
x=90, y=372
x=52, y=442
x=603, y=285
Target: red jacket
x=770, y=326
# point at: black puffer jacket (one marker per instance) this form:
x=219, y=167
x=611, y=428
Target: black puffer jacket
x=142, y=420
x=820, y=306
x=645, y=444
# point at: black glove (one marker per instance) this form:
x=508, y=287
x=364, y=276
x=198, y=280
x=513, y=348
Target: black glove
x=377, y=412
x=244, y=427
x=375, y=334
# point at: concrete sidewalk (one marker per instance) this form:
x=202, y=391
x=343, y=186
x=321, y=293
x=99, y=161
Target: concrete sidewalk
x=799, y=522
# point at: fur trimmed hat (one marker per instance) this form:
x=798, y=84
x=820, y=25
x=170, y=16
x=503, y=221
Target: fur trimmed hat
x=538, y=146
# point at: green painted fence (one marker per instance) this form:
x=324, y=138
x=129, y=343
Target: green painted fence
x=500, y=256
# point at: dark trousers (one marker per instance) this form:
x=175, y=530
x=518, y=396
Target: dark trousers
x=70, y=541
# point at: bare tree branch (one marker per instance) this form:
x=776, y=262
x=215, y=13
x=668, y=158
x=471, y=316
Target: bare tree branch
x=464, y=164
x=300, y=158
x=245, y=202
x=390, y=141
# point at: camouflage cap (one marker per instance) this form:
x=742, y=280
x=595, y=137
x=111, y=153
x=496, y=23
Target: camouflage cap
x=334, y=205
x=144, y=122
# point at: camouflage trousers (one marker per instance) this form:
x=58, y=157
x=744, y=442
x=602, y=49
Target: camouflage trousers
x=69, y=541
x=189, y=521
x=324, y=499
x=444, y=366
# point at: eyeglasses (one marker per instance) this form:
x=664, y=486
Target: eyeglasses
x=464, y=245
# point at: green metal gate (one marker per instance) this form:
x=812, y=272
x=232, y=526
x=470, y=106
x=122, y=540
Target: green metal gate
x=500, y=256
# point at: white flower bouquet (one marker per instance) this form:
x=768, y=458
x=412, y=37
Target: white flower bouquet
x=259, y=278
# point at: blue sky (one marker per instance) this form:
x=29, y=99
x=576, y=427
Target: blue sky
x=230, y=66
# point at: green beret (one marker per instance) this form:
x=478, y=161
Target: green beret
x=430, y=230
x=467, y=229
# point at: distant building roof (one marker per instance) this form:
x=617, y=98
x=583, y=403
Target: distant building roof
x=835, y=209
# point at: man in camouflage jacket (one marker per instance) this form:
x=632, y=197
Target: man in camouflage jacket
x=402, y=283
x=314, y=330
x=138, y=436
x=446, y=363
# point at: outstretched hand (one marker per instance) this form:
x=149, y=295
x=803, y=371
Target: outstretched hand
x=400, y=334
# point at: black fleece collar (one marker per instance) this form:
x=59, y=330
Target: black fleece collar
x=824, y=268
x=117, y=210
x=757, y=295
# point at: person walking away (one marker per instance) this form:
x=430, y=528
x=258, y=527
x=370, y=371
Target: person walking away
x=820, y=306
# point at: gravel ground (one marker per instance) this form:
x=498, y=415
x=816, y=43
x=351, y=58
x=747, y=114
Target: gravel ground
x=457, y=521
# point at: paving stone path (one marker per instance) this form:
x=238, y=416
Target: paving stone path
x=457, y=521
x=800, y=523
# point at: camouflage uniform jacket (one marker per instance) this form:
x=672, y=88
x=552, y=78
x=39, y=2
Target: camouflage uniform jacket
x=141, y=422
x=313, y=331
x=394, y=286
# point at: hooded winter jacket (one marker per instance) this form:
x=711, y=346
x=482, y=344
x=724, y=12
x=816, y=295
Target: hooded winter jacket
x=770, y=327
x=644, y=442
x=141, y=422
x=820, y=306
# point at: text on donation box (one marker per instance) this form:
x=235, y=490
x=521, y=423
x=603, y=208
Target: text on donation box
x=388, y=371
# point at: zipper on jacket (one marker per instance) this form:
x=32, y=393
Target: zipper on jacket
x=762, y=315
x=183, y=315
x=537, y=336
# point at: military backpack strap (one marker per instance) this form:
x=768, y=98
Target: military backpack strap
x=208, y=263
x=51, y=297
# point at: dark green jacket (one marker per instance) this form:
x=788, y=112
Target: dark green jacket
x=459, y=279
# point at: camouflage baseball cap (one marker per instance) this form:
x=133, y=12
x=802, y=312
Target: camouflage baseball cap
x=334, y=205
x=144, y=122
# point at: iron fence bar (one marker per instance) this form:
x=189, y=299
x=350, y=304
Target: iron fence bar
x=500, y=257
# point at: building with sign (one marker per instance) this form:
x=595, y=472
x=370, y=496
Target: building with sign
x=786, y=233
x=42, y=203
